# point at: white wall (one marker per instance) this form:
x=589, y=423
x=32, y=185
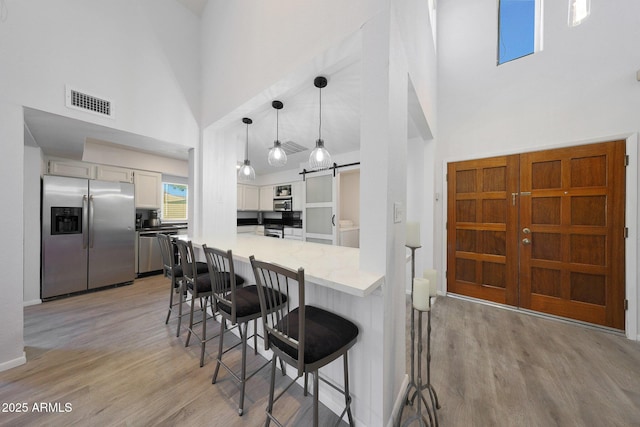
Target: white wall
x=268, y=45
x=350, y=196
x=421, y=202
x=581, y=88
x=11, y=252
x=33, y=165
x=261, y=42
x=119, y=50
x=108, y=49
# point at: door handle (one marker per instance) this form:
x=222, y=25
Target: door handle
x=90, y=221
x=526, y=230
x=333, y=220
x=526, y=241
x=85, y=225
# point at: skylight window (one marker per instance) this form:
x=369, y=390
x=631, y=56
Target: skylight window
x=519, y=26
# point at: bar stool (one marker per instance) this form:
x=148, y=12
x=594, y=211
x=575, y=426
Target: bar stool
x=306, y=337
x=238, y=306
x=200, y=286
x=173, y=271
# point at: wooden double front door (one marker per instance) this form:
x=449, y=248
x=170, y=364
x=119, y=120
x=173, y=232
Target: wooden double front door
x=542, y=231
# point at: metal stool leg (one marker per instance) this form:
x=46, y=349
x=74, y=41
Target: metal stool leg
x=347, y=395
x=223, y=327
x=272, y=384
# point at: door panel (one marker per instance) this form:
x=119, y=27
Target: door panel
x=542, y=231
x=482, y=229
x=112, y=233
x=572, y=200
x=320, y=209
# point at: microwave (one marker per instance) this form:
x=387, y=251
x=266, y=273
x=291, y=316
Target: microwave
x=280, y=205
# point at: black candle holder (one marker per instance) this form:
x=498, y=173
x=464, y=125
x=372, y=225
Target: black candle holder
x=415, y=384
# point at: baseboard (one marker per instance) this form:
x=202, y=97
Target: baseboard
x=32, y=302
x=4, y=366
x=399, y=403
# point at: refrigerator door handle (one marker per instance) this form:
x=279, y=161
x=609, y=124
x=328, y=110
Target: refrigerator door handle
x=91, y=227
x=85, y=231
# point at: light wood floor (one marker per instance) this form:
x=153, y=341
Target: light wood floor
x=495, y=367
x=111, y=357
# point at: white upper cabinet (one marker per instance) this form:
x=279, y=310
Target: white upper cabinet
x=266, y=198
x=72, y=168
x=148, y=189
x=114, y=173
x=248, y=197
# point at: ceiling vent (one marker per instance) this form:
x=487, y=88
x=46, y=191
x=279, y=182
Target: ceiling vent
x=291, y=147
x=89, y=103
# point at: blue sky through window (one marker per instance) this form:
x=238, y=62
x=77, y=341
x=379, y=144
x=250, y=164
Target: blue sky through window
x=176, y=189
x=516, y=29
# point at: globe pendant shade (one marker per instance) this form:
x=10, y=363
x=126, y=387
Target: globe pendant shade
x=277, y=156
x=246, y=172
x=320, y=157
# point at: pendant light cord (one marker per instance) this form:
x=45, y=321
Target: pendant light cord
x=277, y=124
x=246, y=147
x=320, y=114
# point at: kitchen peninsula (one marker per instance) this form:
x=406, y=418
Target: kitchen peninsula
x=333, y=281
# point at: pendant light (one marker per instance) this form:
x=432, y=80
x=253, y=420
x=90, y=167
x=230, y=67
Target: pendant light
x=246, y=171
x=320, y=157
x=277, y=156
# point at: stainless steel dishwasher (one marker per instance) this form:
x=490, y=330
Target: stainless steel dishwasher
x=149, y=255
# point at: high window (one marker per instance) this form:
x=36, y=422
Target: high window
x=174, y=201
x=579, y=10
x=519, y=24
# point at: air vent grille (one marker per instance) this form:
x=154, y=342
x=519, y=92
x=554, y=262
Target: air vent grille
x=291, y=147
x=90, y=103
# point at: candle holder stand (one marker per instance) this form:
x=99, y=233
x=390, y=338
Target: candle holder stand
x=428, y=386
x=414, y=385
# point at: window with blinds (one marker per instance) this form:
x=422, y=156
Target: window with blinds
x=174, y=201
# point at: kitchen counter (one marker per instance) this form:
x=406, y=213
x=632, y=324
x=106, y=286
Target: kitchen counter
x=334, y=281
x=334, y=267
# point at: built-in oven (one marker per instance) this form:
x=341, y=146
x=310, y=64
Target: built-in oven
x=282, y=204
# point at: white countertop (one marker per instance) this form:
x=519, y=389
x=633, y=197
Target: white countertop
x=335, y=267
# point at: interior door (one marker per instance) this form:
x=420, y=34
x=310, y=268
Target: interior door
x=482, y=227
x=572, y=232
x=320, y=209
x=542, y=231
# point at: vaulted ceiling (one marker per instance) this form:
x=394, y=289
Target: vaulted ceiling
x=298, y=122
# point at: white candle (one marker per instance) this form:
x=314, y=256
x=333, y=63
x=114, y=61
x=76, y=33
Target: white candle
x=432, y=276
x=421, y=294
x=413, y=235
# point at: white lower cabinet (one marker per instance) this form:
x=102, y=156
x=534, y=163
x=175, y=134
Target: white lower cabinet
x=293, y=233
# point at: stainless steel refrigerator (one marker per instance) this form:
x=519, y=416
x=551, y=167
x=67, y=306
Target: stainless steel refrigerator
x=88, y=234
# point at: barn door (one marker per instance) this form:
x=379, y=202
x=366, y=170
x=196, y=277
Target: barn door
x=541, y=231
